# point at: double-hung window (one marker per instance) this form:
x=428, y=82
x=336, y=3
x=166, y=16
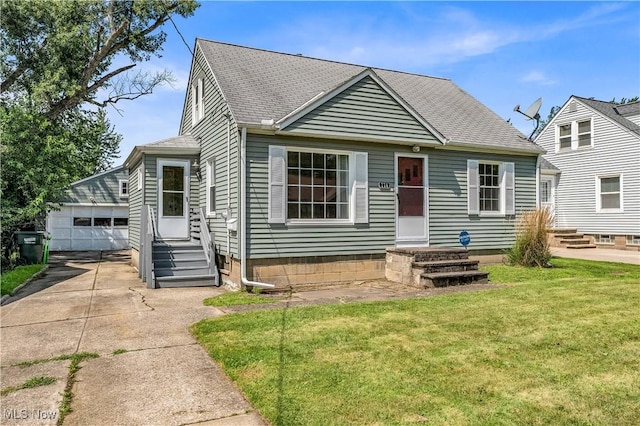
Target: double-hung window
x=584, y=133
x=197, y=101
x=309, y=186
x=490, y=188
x=211, y=187
x=609, y=193
x=573, y=135
x=564, y=136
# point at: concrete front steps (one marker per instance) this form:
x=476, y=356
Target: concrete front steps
x=569, y=238
x=426, y=267
x=181, y=264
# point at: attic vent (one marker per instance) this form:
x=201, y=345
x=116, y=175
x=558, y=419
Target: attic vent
x=572, y=106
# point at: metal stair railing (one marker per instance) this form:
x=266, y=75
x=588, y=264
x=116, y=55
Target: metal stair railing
x=206, y=240
x=148, y=232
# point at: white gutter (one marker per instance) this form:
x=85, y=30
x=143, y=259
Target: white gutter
x=243, y=215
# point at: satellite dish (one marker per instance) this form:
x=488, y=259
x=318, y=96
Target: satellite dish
x=532, y=113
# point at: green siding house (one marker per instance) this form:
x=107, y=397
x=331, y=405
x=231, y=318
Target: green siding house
x=306, y=170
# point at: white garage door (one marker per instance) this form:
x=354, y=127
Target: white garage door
x=89, y=228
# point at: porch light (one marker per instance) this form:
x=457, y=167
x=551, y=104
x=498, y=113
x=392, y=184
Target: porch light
x=415, y=148
x=196, y=167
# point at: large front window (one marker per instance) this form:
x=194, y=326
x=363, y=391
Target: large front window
x=317, y=185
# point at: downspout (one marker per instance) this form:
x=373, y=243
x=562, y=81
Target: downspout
x=228, y=115
x=538, y=161
x=243, y=215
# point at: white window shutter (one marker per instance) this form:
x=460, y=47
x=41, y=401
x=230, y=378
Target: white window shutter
x=277, y=184
x=361, y=188
x=509, y=189
x=473, y=191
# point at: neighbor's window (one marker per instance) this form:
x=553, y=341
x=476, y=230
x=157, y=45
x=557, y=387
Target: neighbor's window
x=124, y=188
x=489, y=187
x=317, y=185
x=584, y=133
x=604, y=239
x=197, y=101
x=545, y=191
x=211, y=186
x=633, y=240
x=564, y=135
x=139, y=174
x=574, y=135
x=610, y=193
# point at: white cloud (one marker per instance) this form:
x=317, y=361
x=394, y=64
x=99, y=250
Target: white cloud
x=428, y=37
x=537, y=77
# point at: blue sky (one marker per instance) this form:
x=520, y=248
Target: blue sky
x=502, y=53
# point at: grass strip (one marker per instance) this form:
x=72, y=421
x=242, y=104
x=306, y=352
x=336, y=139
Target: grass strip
x=34, y=382
x=235, y=298
x=553, y=346
x=16, y=277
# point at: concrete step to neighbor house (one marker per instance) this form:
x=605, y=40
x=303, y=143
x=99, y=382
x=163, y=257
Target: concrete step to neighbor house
x=569, y=238
x=558, y=231
x=444, y=279
x=577, y=243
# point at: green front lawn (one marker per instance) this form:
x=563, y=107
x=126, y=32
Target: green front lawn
x=555, y=346
x=12, y=279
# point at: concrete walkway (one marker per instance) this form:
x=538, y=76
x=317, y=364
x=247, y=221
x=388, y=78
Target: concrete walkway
x=150, y=370
x=606, y=255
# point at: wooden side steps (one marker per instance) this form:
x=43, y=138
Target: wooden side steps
x=432, y=267
x=569, y=238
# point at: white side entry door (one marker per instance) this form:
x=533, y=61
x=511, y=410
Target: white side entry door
x=173, y=199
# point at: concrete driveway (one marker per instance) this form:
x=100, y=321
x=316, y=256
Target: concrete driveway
x=149, y=369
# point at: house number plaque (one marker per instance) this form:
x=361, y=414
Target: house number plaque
x=384, y=185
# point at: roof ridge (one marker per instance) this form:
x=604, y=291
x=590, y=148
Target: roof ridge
x=605, y=102
x=300, y=55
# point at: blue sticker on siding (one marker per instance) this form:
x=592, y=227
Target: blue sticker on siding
x=465, y=238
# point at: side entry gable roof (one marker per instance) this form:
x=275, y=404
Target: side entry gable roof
x=262, y=85
x=322, y=98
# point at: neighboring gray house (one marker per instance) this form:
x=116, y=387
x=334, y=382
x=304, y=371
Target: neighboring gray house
x=94, y=214
x=592, y=177
x=307, y=169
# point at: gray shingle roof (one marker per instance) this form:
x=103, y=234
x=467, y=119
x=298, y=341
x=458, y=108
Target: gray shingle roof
x=547, y=165
x=263, y=85
x=614, y=112
x=176, y=142
x=629, y=109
